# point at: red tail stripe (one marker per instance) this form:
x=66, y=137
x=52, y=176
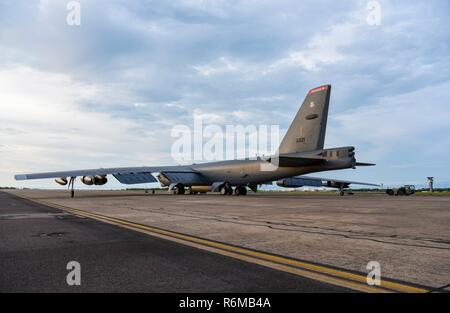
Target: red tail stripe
x=321, y=88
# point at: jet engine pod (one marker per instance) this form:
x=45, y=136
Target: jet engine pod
x=62, y=181
x=88, y=180
x=100, y=179
x=290, y=183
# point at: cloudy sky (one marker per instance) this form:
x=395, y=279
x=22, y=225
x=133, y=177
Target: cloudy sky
x=108, y=92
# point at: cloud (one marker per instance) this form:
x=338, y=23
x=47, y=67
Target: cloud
x=46, y=127
x=399, y=121
x=110, y=90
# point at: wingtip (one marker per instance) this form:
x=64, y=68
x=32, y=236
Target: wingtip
x=20, y=177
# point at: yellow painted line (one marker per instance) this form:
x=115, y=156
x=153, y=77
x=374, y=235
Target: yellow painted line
x=317, y=272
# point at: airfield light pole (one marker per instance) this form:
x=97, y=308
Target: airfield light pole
x=430, y=183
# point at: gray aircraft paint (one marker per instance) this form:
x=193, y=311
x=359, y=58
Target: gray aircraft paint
x=307, y=131
x=300, y=152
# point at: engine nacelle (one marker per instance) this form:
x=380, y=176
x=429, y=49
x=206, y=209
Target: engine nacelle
x=100, y=179
x=94, y=180
x=62, y=181
x=88, y=180
x=284, y=183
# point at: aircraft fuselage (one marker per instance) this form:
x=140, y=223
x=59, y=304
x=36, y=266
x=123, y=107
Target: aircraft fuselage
x=243, y=172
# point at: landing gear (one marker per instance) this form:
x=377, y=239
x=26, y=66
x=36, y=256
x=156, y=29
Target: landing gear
x=342, y=191
x=240, y=190
x=226, y=189
x=70, y=186
x=178, y=190
x=253, y=187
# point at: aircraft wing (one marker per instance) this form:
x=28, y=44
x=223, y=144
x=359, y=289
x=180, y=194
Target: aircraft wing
x=300, y=181
x=341, y=181
x=125, y=175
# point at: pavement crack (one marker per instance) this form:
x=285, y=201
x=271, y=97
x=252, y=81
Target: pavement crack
x=293, y=227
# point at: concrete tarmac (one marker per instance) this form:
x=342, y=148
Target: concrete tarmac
x=408, y=236
x=37, y=242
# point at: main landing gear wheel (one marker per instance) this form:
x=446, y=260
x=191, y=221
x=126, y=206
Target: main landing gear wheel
x=240, y=190
x=178, y=190
x=226, y=189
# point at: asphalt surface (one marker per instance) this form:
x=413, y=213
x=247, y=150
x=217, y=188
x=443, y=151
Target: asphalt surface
x=37, y=242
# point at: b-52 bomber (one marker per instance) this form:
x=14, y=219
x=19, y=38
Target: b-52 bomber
x=301, y=152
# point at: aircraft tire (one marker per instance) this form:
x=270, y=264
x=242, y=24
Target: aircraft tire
x=240, y=191
x=226, y=189
x=179, y=190
x=223, y=190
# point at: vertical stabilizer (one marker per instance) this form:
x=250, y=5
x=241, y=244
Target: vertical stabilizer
x=307, y=131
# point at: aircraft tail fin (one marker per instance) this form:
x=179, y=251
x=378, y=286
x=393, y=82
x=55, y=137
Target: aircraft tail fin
x=307, y=131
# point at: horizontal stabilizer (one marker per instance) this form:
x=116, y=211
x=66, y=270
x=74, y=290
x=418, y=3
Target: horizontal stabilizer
x=311, y=157
x=364, y=164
